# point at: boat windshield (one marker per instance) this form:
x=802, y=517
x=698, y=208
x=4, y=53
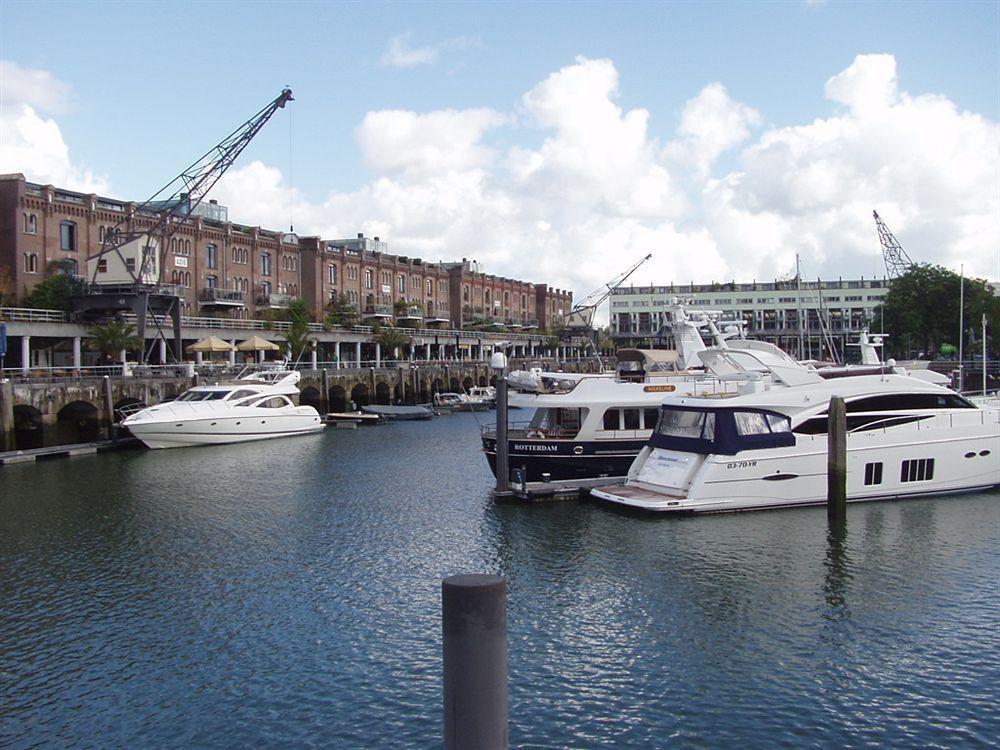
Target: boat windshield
x=723, y=430
x=194, y=395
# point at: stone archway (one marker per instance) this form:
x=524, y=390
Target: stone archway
x=483, y=381
x=29, y=429
x=338, y=398
x=382, y=393
x=360, y=395
x=467, y=384
x=423, y=392
x=437, y=386
x=78, y=422
x=454, y=385
x=126, y=406
x=310, y=396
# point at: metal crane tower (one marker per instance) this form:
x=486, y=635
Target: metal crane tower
x=126, y=274
x=897, y=262
x=581, y=318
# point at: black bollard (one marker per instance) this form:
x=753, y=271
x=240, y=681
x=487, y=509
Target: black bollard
x=503, y=447
x=836, y=461
x=474, y=629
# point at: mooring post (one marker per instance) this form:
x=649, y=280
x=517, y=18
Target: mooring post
x=7, y=437
x=324, y=399
x=836, y=461
x=474, y=630
x=503, y=448
x=109, y=409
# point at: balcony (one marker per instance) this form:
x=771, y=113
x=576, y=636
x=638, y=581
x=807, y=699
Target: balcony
x=513, y=323
x=378, y=311
x=410, y=312
x=215, y=297
x=440, y=315
x=274, y=301
x=532, y=323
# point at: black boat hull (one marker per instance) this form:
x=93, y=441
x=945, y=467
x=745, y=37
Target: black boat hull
x=566, y=459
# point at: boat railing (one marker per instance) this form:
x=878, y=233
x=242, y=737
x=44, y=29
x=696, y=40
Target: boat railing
x=525, y=431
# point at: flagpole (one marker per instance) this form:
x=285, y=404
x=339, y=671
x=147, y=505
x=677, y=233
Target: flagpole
x=961, y=325
x=984, y=354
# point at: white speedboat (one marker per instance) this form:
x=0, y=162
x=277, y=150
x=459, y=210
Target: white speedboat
x=767, y=447
x=254, y=407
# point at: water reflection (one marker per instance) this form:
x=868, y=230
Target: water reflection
x=838, y=574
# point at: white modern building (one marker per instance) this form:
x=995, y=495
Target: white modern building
x=770, y=310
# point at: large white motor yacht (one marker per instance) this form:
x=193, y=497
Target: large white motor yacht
x=767, y=446
x=254, y=407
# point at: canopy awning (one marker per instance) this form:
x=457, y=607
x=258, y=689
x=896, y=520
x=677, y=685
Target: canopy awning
x=257, y=344
x=648, y=356
x=210, y=344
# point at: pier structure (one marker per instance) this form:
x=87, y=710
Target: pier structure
x=79, y=407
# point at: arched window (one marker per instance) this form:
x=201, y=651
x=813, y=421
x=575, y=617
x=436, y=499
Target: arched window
x=369, y=280
x=265, y=264
x=187, y=247
x=173, y=246
x=430, y=287
x=401, y=284
x=331, y=274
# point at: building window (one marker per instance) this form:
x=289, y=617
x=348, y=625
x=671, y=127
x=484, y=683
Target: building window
x=67, y=236
x=465, y=293
x=212, y=281
x=265, y=264
x=187, y=248
x=30, y=224
x=331, y=275
x=369, y=278
x=31, y=262
x=212, y=257
x=401, y=284
x=430, y=287
x=102, y=265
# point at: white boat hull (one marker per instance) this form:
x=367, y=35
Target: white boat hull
x=223, y=430
x=965, y=450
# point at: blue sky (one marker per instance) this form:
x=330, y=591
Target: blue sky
x=149, y=86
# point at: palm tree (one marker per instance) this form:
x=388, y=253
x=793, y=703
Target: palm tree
x=391, y=339
x=113, y=337
x=298, y=339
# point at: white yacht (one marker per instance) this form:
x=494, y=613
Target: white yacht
x=766, y=446
x=588, y=426
x=254, y=407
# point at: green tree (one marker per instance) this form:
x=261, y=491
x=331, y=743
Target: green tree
x=391, y=339
x=7, y=287
x=921, y=310
x=112, y=337
x=57, y=289
x=297, y=336
x=341, y=312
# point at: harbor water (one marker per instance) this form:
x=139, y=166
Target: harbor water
x=287, y=594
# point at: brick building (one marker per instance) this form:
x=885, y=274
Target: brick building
x=223, y=269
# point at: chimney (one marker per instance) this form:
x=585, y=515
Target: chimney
x=376, y=239
x=361, y=235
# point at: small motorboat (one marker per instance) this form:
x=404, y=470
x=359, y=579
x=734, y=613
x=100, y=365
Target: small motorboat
x=399, y=413
x=460, y=402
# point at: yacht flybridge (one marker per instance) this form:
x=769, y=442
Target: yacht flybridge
x=258, y=405
x=767, y=446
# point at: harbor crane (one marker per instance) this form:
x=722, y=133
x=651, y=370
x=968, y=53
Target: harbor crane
x=580, y=320
x=897, y=262
x=127, y=272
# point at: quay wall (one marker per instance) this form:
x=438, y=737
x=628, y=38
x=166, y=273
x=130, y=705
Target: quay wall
x=36, y=413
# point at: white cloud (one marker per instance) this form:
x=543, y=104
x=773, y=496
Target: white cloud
x=399, y=53
x=31, y=143
x=598, y=190
x=592, y=185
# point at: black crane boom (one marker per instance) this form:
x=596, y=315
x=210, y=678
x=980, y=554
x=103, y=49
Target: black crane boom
x=182, y=195
x=897, y=262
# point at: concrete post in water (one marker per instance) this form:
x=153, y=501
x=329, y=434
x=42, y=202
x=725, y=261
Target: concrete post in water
x=499, y=364
x=109, y=409
x=324, y=397
x=7, y=415
x=836, y=461
x=77, y=354
x=474, y=640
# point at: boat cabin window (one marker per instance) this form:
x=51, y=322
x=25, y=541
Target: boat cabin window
x=275, y=402
x=625, y=418
x=906, y=401
x=556, y=422
x=242, y=393
x=193, y=395
x=724, y=431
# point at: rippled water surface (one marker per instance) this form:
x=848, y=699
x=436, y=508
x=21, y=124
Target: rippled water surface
x=287, y=594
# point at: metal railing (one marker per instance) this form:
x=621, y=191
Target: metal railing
x=221, y=295
x=524, y=431
x=30, y=315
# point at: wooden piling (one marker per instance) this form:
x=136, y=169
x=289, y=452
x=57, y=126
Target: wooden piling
x=503, y=447
x=109, y=409
x=324, y=397
x=7, y=437
x=474, y=646
x=836, y=461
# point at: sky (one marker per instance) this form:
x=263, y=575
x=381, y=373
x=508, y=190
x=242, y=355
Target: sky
x=554, y=142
